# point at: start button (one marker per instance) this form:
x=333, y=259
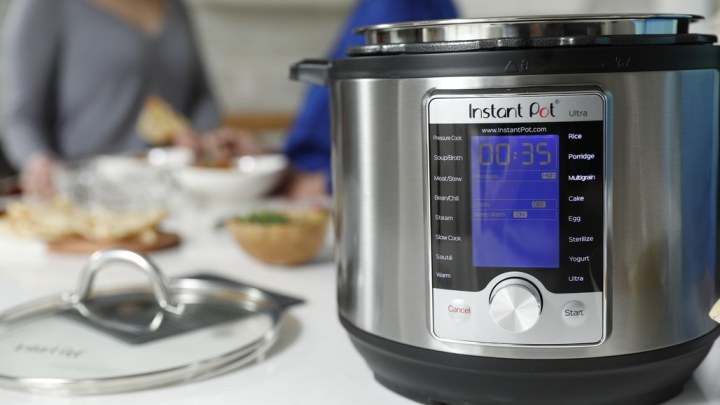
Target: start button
x=574, y=313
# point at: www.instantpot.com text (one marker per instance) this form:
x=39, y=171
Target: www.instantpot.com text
x=515, y=130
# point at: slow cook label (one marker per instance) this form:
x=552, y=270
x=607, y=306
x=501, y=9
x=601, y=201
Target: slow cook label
x=517, y=190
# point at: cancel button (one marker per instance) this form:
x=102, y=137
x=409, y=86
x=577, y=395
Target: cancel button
x=574, y=313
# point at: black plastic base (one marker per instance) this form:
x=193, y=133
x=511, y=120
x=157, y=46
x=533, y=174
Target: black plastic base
x=435, y=378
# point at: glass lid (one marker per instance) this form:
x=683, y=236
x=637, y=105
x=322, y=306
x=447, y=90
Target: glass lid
x=111, y=341
x=499, y=32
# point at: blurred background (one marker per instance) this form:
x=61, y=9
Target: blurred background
x=248, y=45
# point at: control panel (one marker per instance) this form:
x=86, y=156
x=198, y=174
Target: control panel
x=517, y=216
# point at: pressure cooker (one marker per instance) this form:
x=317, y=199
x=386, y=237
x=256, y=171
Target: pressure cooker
x=526, y=209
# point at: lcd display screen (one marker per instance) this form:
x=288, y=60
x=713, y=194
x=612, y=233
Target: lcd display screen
x=515, y=209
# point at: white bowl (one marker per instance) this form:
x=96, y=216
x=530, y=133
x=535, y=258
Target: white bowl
x=169, y=157
x=250, y=177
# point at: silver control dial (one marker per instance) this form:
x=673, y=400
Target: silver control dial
x=515, y=305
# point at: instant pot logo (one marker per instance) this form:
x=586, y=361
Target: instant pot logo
x=532, y=110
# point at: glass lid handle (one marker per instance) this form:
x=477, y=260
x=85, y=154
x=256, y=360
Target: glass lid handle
x=159, y=282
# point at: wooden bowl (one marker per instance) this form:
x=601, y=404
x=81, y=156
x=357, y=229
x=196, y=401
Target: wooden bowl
x=292, y=243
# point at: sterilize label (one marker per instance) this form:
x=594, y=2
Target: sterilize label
x=520, y=109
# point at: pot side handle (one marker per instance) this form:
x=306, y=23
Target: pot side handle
x=313, y=71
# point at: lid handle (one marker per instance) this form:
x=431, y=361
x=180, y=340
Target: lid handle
x=159, y=282
x=313, y=71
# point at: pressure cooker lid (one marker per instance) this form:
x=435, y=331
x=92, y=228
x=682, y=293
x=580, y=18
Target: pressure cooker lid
x=87, y=342
x=529, y=32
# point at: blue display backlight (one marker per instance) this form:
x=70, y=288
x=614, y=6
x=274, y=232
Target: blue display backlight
x=515, y=190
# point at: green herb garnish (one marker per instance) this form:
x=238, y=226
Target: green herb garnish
x=265, y=217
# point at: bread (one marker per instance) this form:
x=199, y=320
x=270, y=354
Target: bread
x=159, y=122
x=59, y=219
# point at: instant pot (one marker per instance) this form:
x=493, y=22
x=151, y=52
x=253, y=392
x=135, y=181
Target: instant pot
x=526, y=208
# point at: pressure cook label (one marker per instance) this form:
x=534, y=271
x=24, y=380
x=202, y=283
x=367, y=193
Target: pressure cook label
x=516, y=109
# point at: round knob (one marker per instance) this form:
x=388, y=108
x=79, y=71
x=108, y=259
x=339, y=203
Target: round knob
x=515, y=305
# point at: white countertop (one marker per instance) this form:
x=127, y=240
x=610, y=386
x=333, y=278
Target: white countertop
x=313, y=362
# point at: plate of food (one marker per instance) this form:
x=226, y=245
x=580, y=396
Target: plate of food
x=72, y=228
x=206, y=175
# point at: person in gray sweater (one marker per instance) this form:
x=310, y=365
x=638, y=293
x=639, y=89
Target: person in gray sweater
x=78, y=71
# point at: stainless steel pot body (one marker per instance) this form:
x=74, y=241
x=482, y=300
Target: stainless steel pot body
x=660, y=199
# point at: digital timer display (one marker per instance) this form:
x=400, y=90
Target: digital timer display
x=514, y=155
x=515, y=209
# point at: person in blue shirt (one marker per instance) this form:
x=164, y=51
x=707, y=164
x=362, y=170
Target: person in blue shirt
x=308, y=143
